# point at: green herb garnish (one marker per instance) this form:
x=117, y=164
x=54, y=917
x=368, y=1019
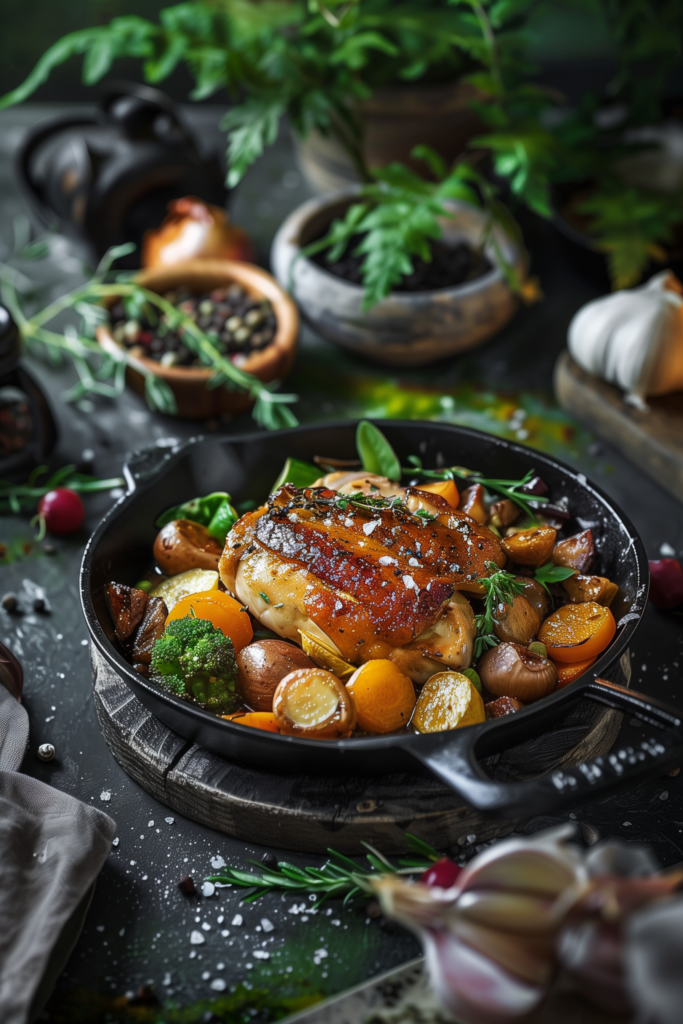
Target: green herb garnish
x=22, y=497
x=500, y=587
x=550, y=573
x=340, y=876
x=375, y=452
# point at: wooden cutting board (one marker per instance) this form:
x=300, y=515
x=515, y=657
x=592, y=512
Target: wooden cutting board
x=652, y=440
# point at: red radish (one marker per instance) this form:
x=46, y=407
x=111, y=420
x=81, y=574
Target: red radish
x=62, y=510
x=666, y=583
x=444, y=874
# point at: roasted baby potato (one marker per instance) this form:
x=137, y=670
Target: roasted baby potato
x=590, y=588
x=182, y=545
x=194, y=581
x=577, y=552
x=449, y=700
x=313, y=703
x=517, y=622
x=262, y=665
x=530, y=547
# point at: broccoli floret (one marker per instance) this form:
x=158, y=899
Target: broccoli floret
x=192, y=658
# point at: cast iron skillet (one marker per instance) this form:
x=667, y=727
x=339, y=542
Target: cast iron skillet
x=504, y=766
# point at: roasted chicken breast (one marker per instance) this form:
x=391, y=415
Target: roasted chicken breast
x=373, y=577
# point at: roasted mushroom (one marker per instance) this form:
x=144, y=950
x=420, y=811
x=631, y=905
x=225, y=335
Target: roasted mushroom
x=503, y=513
x=149, y=631
x=510, y=670
x=577, y=552
x=472, y=502
x=313, y=703
x=262, y=665
x=183, y=545
x=126, y=606
x=518, y=622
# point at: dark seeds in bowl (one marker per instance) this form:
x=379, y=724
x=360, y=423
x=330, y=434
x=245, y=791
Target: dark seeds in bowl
x=237, y=323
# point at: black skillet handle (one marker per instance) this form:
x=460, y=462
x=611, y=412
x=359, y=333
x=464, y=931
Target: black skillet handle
x=144, y=464
x=453, y=757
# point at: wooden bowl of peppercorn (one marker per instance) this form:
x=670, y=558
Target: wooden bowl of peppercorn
x=220, y=292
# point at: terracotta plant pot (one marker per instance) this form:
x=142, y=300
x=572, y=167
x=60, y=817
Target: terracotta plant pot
x=188, y=383
x=406, y=328
x=396, y=119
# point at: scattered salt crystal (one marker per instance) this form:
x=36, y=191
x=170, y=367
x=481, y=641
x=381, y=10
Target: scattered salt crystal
x=387, y=560
x=267, y=925
x=304, y=917
x=122, y=932
x=261, y=954
x=150, y=824
x=627, y=824
x=348, y=522
x=206, y=926
x=237, y=920
x=196, y=938
x=471, y=838
x=133, y=863
x=248, y=966
x=100, y=928
x=220, y=919
x=208, y=889
x=206, y=975
x=169, y=821
x=408, y=582
x=105, y=795
x=335, y=921
x=664, y=795
x=218, y=985
x=220, y=967
x=413, y=562
x=217, y=862
x=225, y=933
x=369, y=527
x=115, y=842
x=666, y=551
x=167, y=978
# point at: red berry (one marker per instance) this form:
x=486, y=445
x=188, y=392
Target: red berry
x=666, y=583
x=444, y=874
x=62, y=510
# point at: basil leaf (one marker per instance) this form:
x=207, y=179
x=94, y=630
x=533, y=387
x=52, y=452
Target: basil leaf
x=375, y=452
x=222, y=521
x=473, y=678
x=550, y=573
x=297, y=473
x=198, y=510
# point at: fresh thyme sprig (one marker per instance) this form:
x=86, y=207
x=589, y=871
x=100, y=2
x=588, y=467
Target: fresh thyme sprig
x=101, y=366
x=500, y=588
x=512, y=489
x=21, y=497
x=338, y=877
x=369, y=502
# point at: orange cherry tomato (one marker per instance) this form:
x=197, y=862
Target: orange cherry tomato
x=382, y=695
x=577, y=632
x=264, y=720
x=567, y=673
x=445, y=489
x=221, y=609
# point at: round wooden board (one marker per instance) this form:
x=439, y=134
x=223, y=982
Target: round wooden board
x=306, y=813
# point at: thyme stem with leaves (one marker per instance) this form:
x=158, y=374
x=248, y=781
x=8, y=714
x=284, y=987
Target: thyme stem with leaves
x=500, y=588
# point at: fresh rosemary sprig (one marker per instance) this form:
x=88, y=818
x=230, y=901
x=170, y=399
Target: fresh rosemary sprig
x=512, y=489
x=21, y=497
x=500, y=588
x=101, y=366
x=338, y=877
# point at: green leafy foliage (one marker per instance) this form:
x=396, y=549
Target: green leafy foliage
x=338, y=877
x=214, y=511
x=500, y=588
x=512, y=489
x=193, y=658
x=18, y=498
x=297, y=473
x=550, y=573
x=375, y=452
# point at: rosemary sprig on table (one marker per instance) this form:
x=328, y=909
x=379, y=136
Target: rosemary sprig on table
x=20, y=497
x=500, y=588
x=101, y=365
x=338, y=877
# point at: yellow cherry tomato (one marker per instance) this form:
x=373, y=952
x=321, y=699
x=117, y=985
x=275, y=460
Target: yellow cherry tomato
x=224, y=611
x=577, y=632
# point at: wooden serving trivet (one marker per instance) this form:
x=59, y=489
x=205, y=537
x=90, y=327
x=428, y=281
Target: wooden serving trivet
x=296, y=812
x=653, y=440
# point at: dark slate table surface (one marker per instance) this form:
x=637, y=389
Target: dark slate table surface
x=139, y=925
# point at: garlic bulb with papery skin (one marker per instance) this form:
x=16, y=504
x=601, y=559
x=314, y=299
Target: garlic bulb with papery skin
x=194, y=229
x=633, y=338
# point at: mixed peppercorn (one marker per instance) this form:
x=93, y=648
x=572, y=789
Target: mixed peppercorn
x=237, y=323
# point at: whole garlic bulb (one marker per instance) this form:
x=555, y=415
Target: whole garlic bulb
x=633, y=338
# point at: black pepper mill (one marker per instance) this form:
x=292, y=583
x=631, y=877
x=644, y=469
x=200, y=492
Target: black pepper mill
x=27, y=429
